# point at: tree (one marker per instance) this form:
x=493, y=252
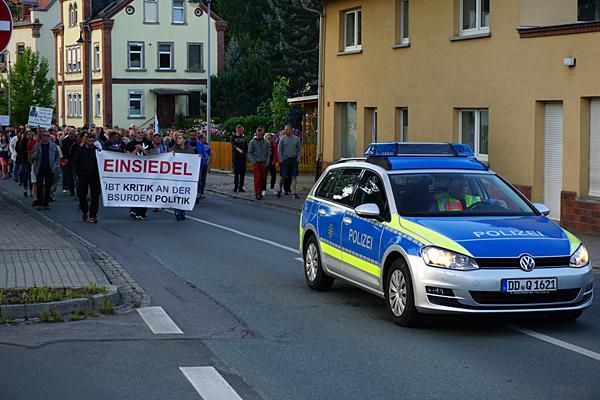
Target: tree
x=280, y=108
x=30, y=86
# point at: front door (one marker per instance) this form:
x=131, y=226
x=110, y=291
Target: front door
x=165, y=110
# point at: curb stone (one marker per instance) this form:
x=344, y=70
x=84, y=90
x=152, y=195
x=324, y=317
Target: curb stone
x=129, y=291
x=222, y=193
x=65, y=307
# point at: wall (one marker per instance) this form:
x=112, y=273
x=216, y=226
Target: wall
x=548, y=12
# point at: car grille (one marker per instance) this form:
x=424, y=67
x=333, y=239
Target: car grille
x=513, y=263
x=559, y=296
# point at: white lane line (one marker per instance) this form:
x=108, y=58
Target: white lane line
x=158, y=320
x=557, y=342
x=228, y=229
x=209, y=383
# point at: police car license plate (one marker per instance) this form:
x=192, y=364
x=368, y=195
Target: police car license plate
x=542, y=285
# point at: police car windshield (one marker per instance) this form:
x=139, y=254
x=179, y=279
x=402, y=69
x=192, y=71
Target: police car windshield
x=456, y=194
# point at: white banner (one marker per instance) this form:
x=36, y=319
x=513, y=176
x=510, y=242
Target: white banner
x=40, y=116
x=162, y=181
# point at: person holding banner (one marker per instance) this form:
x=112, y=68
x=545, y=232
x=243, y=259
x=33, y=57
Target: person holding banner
x=181, y=146
x=86, y=165
x=140, y=146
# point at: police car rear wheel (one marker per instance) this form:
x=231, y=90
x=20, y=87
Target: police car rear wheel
x=313, y=270
x=399, y=295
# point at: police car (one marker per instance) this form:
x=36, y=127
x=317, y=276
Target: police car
x=432, y=230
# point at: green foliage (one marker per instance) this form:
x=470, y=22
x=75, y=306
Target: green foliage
x=5, y=320
x=49, y=294
x=250, y=122
x=280, y=108
x=51, y=314
x=106, y=308
x=30, y=86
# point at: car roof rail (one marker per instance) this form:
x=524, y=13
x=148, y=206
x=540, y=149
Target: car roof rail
x=350, y=159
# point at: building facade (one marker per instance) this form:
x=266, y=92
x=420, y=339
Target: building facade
x=147, y=57
x=515, y=79
x=32, y=24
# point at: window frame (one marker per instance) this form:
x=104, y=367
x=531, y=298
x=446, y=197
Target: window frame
x=385, y=214
x=142, y=66
x=171, y=58
x=97, y=104
x=337, y=178
x=334, y=173
x=78, y=59
x=357, y=46
x=403, y=37
x=155, y=2
x=96, y=56
x=201, y=67
x=478, y=30
x=75, y=16
x=477, y=133
x=183, y=13
x=142, y=105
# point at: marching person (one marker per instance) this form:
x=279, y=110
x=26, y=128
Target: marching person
x=45, y=156
x=290, y=152
x=140, y=146
x=12, y=145
x=199, y=149
x=114, y=143
x=67, y=168
x=239, y=148
x=258, y=151
x=181, y=146
x=23, y=161
x=272, y=163
x=86, y=165
x=205, y=165
x=5, y=155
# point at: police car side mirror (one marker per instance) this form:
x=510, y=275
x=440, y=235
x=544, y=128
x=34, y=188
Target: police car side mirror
x=369, y=210
x=542, y=208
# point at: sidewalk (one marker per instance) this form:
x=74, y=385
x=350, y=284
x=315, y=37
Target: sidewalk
x=222, y=182
x=33, y=255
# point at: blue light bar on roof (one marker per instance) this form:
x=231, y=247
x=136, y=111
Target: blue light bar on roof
x=418, y=149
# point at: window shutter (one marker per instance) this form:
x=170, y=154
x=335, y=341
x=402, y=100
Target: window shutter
x=553, y=157
x=594, y=148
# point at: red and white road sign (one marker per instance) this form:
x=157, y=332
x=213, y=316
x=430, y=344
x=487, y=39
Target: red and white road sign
x=6, y=25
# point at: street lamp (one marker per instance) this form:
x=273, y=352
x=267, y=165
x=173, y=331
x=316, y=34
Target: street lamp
x=80, y=41
x=208, y=82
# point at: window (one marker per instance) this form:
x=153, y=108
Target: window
x=178, y=13
x=401, y=124
x=402, y=22
x=151, y=11
x=194, y=104
x=78, y=60
x=78, y=105
x=69, y=105
x=74, y=105
x=326, y=184
x=20, y=50
x=345, y=185
x=135, y=57
x=352, y=30
x=136, y=104
x=372, y=190
x=74, y=14
x=195, y=57
x=347, y=135
x=588, y=10
x=69, y=60
x=370, y=125
x=96, y=56
x=474, y=17
x=97, y=105
x=165, y=56
x=70, y=14
x=473, y=128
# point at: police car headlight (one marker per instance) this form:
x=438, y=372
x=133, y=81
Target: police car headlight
x=442, y=258
x=580, y=258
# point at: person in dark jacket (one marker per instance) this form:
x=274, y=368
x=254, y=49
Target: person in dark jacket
x=114, y=143
x=23, y=161
x=239, y=148
x=67, y=168
x=86, y=166
x=181, y=146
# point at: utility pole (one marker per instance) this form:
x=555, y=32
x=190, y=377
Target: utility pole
x=208, y=82
x=81, y=40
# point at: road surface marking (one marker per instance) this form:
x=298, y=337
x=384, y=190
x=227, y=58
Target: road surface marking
x=557, y=342
x=228, y=229
x=209, y=383
x=158, y=320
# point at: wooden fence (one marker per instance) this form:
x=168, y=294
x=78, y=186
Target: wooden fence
x=221, y=152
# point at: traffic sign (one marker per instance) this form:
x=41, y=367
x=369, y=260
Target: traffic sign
x=6, y=25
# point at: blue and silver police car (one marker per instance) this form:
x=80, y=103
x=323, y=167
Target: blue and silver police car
x=432, y=230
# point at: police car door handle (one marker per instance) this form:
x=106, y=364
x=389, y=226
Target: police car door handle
x=322, y=212
x=347, y=221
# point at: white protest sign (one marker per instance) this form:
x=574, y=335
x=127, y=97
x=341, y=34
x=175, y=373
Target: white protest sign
x=4, y=120
x=40, y=116
x=162, y=181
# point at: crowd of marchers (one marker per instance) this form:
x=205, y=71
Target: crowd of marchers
x=40, y=159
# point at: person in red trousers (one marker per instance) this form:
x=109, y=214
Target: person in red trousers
x=259, y=152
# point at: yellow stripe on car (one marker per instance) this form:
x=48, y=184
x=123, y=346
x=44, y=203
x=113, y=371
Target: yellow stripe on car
x=350, y=259
x=433, y=237
x=573, y=240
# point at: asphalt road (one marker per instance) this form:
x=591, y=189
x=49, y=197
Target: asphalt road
x=244, y=308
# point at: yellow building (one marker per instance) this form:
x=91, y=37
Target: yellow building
x=148, y=57
x=515, y=79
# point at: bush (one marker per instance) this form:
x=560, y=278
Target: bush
x=250, y=122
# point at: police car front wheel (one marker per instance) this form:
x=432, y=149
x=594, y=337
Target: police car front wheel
x=399, y=295
x=313, y=268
